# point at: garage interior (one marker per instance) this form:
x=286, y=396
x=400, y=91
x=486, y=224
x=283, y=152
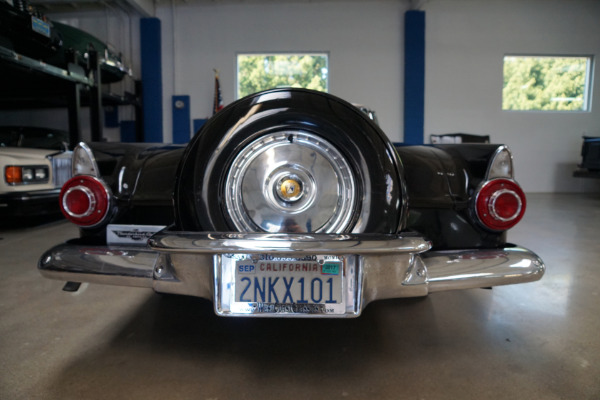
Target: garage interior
x=537, y=340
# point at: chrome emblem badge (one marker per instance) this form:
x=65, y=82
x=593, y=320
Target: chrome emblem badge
x=290, y=189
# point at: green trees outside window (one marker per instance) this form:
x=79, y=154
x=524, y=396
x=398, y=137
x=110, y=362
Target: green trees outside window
x=546, y=83
x=258, y=72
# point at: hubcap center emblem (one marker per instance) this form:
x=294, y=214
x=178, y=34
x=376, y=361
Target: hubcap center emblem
x=289, y=189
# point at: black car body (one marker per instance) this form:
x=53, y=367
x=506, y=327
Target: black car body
x=292, y=202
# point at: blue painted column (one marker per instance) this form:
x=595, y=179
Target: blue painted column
x=151, y=57
x=414, y=77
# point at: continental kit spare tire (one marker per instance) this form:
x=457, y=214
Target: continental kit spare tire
x=290, y=160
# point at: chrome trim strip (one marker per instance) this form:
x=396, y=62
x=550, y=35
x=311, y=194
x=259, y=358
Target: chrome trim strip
x=492, y=205
x=91, y=201
x=203, y=242
x=62, y=168
x=31, y=195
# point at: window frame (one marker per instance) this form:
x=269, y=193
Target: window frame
x=326, y=54
x=588, y=82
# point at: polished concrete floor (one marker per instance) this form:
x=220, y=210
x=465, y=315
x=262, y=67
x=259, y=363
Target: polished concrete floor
x=533, y=341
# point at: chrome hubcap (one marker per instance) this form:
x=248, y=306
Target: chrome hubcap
x=291, y=181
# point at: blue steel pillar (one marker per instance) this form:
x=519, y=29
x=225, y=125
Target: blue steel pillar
x=150, y=36
x=414, y=76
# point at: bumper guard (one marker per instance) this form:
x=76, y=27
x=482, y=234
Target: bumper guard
x=387, y=266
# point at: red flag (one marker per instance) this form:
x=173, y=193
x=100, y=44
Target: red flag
x=218, y=99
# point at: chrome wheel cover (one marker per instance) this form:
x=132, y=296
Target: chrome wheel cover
x=291, y=181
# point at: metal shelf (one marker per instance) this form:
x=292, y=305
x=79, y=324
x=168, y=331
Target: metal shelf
x=33, y=84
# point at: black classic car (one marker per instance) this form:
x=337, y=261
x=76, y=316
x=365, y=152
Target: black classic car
x=292, y=202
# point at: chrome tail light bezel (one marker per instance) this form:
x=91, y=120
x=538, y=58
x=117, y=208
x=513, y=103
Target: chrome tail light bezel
x=99, y=201
x=486, y=205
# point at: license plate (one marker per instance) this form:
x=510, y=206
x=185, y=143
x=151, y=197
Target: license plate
x=267, y=284
x=40, y=26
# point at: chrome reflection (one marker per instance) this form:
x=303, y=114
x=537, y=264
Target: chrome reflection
x=291, y=181
x=501, y=165
x=380, y=266
x=193, y=242
x=84, y=162
x=464, y=269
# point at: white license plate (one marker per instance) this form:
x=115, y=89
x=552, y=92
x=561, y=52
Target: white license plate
x=289, y=282
x=267, y=284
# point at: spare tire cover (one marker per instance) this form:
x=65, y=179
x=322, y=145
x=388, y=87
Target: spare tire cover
x=290, y=160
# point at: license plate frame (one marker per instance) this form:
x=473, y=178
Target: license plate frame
x=333, y=283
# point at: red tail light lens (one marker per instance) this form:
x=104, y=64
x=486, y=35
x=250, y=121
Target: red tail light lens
x=500, y=204
x=84, y=200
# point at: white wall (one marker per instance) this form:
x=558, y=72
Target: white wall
x=465, y=44
x=363, y=39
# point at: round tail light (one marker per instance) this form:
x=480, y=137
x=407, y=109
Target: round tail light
x=500, y=204
x=84, y=200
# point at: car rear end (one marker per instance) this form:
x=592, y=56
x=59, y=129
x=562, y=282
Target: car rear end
x=349, y=220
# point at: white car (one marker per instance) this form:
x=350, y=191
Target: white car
x=35, y=162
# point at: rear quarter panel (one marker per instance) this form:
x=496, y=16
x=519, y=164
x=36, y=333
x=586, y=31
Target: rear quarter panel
x=441, y=182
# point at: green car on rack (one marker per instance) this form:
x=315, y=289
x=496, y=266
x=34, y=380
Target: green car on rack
x=26, y=31
x=81, y=43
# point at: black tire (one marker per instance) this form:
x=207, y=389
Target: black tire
x=199, y=193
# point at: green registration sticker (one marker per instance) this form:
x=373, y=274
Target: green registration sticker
x=330, y=269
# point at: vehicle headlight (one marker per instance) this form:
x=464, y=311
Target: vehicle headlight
x=27, y=174
x=41, y=174
x=24, y=174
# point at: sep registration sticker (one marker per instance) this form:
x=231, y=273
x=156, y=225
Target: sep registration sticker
x=330, y=268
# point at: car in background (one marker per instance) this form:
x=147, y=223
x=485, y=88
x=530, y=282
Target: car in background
x=35, y=163
x=77, y=45
x=27, y=31
x=292, y=203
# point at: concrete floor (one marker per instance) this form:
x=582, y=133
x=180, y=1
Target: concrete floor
x=533, y=341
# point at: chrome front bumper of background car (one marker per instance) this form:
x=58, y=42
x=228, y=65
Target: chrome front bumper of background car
x=35, y=202
x=380, y=266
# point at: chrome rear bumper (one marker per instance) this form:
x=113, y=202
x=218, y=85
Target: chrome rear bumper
x=388, y=266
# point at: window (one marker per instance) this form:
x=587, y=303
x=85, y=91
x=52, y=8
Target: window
x=546, y=83
x=256, y=72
